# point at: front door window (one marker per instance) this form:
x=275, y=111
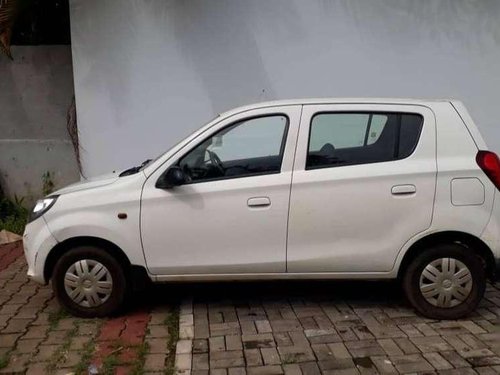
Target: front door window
x=247, y=148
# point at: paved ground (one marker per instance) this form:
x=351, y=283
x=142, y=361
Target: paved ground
x=37, y=337
x=315, y=328
x=288, y=328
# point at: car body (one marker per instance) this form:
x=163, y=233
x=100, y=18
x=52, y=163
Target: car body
x=312, y=189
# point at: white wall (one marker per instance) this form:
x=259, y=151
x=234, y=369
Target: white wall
x=148, y=72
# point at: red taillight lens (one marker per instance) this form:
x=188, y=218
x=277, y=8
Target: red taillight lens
x=490, y=164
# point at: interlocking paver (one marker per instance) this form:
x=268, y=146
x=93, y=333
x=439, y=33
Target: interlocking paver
x=304, y=333
x=364, y=348
x=226, y=359
x=293, y=329
x=36, y=337
x=437, y=361
x=253, y=357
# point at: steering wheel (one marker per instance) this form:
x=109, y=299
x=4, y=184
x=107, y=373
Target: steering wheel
x=216, y=162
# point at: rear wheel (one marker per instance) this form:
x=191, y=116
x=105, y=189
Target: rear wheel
x=445, y=282
x=89, y=282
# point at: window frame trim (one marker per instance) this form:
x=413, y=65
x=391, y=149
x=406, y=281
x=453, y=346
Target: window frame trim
x=370, y=113
x=211, y=135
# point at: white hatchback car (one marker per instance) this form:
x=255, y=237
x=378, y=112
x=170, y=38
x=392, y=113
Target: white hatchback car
x=299, y=189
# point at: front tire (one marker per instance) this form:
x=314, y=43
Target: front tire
x=89, y=282
x=445, y=282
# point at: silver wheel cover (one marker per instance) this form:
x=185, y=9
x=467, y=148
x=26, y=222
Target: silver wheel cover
x=446, y=282
x=88, y=283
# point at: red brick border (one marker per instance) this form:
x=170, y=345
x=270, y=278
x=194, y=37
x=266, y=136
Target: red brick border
x=122, y=337
x=9, y=253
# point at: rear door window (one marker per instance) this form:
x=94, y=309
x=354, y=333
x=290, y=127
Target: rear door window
x=337, y=139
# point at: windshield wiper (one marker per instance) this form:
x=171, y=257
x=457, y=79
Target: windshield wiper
x=133, y=170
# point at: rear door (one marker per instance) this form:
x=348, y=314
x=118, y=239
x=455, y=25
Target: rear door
x=363, y=184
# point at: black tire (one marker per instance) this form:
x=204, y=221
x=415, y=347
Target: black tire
x=119, y=282
x=411, y=281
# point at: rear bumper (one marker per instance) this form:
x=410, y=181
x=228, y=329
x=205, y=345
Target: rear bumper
x=491, y=235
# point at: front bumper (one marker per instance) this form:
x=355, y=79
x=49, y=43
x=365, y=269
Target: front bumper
x=37, y=243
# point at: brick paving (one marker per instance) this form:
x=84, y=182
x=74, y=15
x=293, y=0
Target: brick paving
x=37, y=337
x=290, y=328
x=315, y=328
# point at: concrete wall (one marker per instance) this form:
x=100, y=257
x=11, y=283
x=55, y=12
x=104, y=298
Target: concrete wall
x=148, y=72
x=36, y=90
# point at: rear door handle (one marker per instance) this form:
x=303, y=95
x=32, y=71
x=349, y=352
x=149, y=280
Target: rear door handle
x=403, y=189
x=259, y=202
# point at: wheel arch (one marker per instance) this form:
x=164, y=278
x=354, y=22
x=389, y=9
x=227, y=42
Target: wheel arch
x=73, y=242
x=465, y=239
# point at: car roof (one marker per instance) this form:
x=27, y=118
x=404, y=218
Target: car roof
x=312, y=101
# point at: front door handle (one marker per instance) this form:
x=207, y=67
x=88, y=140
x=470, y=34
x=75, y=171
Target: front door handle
x=403, y=189
x=259, y=202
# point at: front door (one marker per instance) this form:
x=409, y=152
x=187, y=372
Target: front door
x=231, y=215
x=363, y=185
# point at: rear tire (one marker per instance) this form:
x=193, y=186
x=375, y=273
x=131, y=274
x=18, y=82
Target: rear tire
x=89, y=282
x=445, y=282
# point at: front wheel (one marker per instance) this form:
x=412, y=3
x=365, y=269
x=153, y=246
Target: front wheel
x=89, y=282
x=445, y=282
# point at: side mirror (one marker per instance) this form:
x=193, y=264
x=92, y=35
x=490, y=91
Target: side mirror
x=174, y=176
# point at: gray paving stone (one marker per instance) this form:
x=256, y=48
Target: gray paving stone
x=292, y=369
x=310, y=368
x=154, y=362
x=260, y=340
x=263, y=326
x=336, y=364
x=390, y=347
x=364, y=348
x=234, y=342
x=227, y=359
x=248, y=328
x=216, y=344
x=476, y=353
x=437, y=361
x=411, y=363
x=236, y=371
x=406, y=346
x=200, y=362
x=283, y=339
x=253, y=357
x=459, y=371
x=270, y=356
x=285, y=325
x=455, y=359
x=295, y=354
x=157, y=346
x=265, y=370
x=322, y=352
x=384, y=365
x=430, y=344
x=484, y=361
x=200, y=346
x=223, y=329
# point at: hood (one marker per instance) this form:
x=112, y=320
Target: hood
x=89, y=183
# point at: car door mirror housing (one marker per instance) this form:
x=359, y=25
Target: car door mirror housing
x=174, y=176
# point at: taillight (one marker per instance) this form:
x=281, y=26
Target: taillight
x=490, y=164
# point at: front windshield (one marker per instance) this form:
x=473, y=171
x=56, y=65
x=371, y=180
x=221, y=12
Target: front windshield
x=147, y=162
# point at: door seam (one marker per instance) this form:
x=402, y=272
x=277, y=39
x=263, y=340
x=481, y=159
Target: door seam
x=291, y=186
